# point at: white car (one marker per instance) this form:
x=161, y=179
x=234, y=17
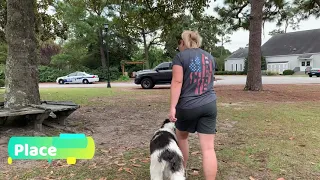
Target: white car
x=78, y=77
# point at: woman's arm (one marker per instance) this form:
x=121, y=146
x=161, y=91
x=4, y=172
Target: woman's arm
x=176, y=84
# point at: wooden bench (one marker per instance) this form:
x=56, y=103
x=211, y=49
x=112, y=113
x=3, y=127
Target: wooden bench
x=58, y=110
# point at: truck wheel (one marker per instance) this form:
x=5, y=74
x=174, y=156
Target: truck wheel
x=61, y=81
x=147, y=83
x=310, y=75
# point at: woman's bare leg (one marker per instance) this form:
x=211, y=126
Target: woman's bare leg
x=209, y=159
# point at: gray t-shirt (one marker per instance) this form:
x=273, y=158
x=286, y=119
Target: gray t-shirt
x=198, y=78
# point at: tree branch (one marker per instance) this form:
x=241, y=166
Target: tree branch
x=152, y=42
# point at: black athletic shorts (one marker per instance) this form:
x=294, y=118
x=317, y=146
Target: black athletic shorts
x=201, y=119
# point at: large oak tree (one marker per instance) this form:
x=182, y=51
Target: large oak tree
x=21, y=71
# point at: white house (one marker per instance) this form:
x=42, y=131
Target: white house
x=296, y=51
x=235, y=62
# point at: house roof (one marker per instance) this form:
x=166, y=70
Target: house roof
x=299, y=42
x=305, y=56
x=240, y=53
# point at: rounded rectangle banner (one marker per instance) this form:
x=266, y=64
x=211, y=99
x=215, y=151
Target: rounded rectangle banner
x=65, y=146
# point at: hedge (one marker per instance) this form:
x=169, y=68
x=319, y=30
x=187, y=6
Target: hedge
x=230, y=73
x=288, y=72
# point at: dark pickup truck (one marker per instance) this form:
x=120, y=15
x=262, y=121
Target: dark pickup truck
x=161, y=74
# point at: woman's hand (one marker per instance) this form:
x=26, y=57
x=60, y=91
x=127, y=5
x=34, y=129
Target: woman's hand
x=172, y=115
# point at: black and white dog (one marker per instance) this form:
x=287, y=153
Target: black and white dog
x=166, y=161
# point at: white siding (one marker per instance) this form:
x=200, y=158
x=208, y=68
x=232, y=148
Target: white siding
x=316, y=61
x=292, y=60
x=234, y=64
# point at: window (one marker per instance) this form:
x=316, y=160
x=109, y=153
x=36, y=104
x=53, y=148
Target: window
x=308, y=63
x=73, y=74
x=303, y=63
x=163, y=66
x=236, y=67
x=80, y=74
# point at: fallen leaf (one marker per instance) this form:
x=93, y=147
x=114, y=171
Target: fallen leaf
x=120, y=169
x=136, y=165
x=251, y=178
x=280, y=179
x=146, y=160
x=104, y=151
x=128, y=170
x=103, y=178
x=195, y=173
x=194, y=153
x=121, y=164
x=291, y=138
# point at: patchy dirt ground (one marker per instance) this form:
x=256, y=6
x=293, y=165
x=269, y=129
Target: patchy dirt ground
x=128, y=121
x=270, y=93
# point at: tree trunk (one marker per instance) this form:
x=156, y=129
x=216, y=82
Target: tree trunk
x=146, y=49
x=254, y=79
x=22, y=81
x=102, y=53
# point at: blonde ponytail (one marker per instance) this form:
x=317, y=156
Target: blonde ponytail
x=192, y=39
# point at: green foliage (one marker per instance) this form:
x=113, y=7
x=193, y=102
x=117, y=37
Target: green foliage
x=124, y=78
x=237, y=13
x=230, y=73
x=288, y=72
x=263, y=64
x=270, y=73
x=50, y=74
x=3, y=52
x=47, y=26
x=307, y=8
x=2, y=82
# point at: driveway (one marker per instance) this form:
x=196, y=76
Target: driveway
x=222, y=80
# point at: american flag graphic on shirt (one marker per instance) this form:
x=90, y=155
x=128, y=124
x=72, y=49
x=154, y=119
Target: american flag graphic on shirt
x=201, y=73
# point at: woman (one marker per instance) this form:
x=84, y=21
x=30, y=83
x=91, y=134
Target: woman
x=193, y=100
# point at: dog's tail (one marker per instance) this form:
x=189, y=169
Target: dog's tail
x=175, y=162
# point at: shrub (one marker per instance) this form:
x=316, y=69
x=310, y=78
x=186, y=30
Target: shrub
x=229, y=73
x=124, y=78
x=288, y=72
x=2, y=83
x=270, y=73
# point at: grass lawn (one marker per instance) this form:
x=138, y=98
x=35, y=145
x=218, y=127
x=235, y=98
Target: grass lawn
x=263, y=135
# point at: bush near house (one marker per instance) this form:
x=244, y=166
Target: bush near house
x=230, y=73
x=288, y=72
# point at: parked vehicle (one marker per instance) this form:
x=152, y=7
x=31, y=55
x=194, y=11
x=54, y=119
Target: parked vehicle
x=314, y=72
x=307, y=69
x=77, y=78
x=161, y=74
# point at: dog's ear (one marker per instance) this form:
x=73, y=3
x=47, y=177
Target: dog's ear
x=165, y=122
